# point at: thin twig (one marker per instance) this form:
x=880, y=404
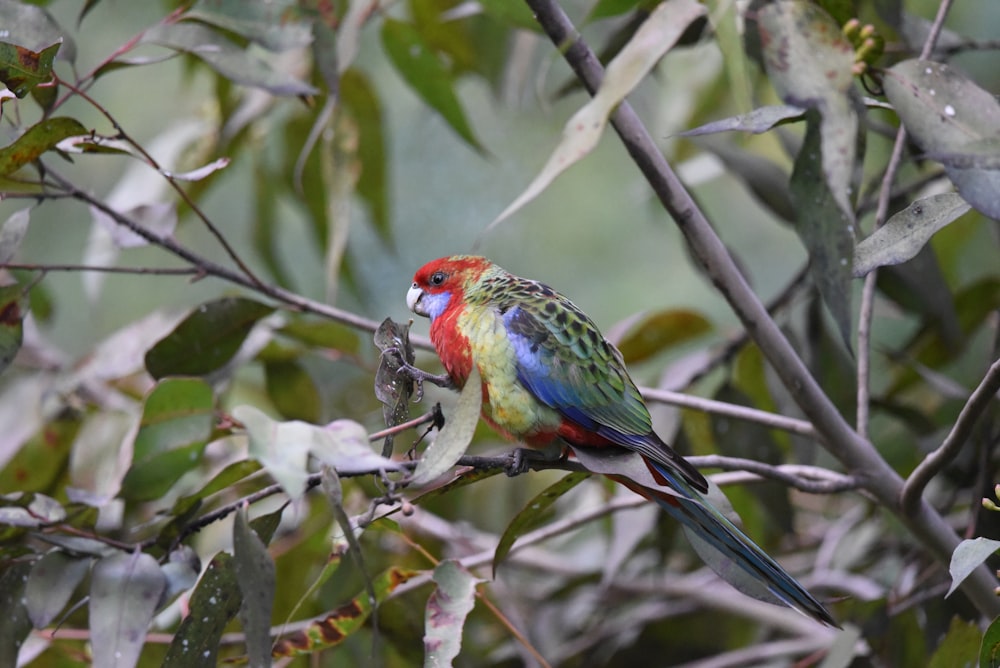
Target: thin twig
x=935, y=461
x=867, y=308
x=793, y=425
x=155, y=271
x=151, y=161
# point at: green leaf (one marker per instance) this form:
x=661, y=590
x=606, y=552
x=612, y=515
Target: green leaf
x=810, y=64
x=828, y=234
x=514, y=14
x=225, y=478
x=22, y=69
x=214, y=603
x=16, y=624
x=456, y=435
x=947, y=114
x=533, y=514
x=967, y=557
x=903, y=235
x=292, y=390
x=36, y=140
x=242, y=66
x=658, y=33
x=12, y=311
x=206, y=339
x=659, y=331
x=334, y=628
x=53, y=580
x=176, y=424
x=124, y=592
x=448, y=606
x=757, y=121
x=255, y=575
x=959, y=648
x=276, y=25
x=989, y=651
x=426, y=75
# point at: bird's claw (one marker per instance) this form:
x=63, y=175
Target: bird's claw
x=522, y=459
x=418, y=375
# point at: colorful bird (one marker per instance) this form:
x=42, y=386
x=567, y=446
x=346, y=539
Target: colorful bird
x=550, y=378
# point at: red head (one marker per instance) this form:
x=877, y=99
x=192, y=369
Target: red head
x=443, y=283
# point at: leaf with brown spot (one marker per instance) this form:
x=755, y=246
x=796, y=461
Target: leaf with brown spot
x=22, y=69
x=342, y=622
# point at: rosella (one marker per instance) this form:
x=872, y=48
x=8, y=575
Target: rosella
x=550, y=378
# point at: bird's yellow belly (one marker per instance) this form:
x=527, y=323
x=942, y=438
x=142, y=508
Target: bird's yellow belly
x=506, y=403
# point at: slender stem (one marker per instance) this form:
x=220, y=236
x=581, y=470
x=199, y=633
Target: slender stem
x=935, y=461
x=156, y=271
x=801, y=427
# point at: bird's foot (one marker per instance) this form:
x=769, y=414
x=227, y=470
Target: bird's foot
x=522, y=459
x=418, y=375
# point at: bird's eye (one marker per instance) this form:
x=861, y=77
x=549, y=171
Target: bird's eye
x=437, y=278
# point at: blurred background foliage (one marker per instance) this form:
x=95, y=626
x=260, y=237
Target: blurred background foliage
x=363, y=139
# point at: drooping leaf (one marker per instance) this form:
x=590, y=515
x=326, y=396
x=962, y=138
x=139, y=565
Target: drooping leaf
x=757, y=121
x=124, y=591
x=53, y=580
x=960, y=646
x=22, y=69
x=448, y=606
x=206, y=339
x=36, y=140
x=949, y=115
x=534, y=513
x=240, y=65
x=214, y=603
x=343, y=621
x=810, y=64
x=456, y=435
x=16, y=623
x=654, y=38
x=826, y=231
x=276, y=25
x=421, y=68
x=967, y=557
x=177, y=418
x=255, y=575
x=660, y=330
x=906, y=232
x=392, y=386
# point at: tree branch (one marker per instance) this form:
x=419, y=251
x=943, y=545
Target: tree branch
x=856, y=453
x=935, y=461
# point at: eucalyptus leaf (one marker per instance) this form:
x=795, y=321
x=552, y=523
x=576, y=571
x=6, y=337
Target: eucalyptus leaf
x=967, y=557
x=124, y=591
x=456, y=435
x=255, y=574
x=447, y=608
x=906, y=232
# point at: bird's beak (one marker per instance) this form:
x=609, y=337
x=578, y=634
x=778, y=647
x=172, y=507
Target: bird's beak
x=413, y=296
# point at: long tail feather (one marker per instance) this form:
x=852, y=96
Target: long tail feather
x=708, y=529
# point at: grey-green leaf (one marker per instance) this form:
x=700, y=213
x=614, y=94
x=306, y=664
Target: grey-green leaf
x=947, y=114
x=53, y=579
x=903, y=235
x=454, y=438
x=124, y=592
x=756, y=121
x=255, y=574
x=967, y=557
